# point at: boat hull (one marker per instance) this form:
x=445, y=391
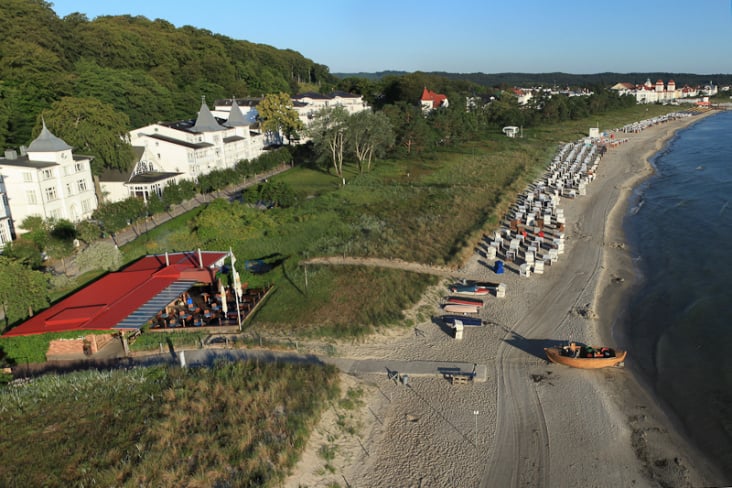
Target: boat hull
x=476, y=302
x=554, y=354
x=456, y=308
x=470, y=290
x=467, y=321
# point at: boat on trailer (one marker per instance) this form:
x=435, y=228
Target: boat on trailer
x=585, y=357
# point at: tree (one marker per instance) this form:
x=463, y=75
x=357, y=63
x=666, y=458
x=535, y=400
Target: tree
x=24, y=251
x=94, y=128
x=61, y=241
x=22, y=290
x=98, y=255
x=413, y=133
x=36, y=230
x=88, y=231
x=136, y=93
x=278, y=116
x=329, y=132
x=370, y=135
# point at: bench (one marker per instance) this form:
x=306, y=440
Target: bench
x=459, y=379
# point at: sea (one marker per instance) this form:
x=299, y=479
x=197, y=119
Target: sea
x=679, y=332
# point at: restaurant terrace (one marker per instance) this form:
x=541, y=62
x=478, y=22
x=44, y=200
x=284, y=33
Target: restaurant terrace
x=163, y=291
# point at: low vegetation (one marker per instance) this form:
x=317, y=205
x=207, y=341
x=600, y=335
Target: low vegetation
x=234, y=424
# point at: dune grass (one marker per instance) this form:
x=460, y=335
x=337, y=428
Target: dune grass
x=234, y=424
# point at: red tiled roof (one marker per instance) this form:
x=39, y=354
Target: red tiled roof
x=435, y=98
x=106, y=302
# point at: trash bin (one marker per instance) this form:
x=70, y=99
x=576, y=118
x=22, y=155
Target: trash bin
x=405, y=379
x=499, y=267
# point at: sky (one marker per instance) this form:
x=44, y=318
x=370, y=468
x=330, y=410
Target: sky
x=463, y=36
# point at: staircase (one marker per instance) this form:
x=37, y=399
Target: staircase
x=149, y=309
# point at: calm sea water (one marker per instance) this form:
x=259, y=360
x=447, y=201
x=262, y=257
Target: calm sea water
x=680, y=327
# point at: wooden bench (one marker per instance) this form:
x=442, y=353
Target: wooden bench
x=459, y=379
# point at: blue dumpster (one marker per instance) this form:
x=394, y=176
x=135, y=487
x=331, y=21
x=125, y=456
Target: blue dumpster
x=499, y=267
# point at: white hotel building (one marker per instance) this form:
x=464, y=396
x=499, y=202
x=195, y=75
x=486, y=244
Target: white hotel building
x=45, y=180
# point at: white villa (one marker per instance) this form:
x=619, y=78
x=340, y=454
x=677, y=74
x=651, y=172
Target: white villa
x=659, y=92
x=431, y=101
x=45, y=180
x=308, y=104
x=169, y=152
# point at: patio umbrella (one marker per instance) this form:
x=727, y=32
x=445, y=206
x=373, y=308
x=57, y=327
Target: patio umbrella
x=237, y=284
x=222, y=291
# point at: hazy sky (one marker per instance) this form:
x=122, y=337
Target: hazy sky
x=463, y=36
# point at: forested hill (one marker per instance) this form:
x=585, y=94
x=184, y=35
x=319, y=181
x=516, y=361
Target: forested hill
x=146, y=70
x=560, y=79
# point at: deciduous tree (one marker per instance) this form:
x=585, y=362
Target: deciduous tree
x=22, y=290
x=370, y=135
x=92, y=127
x=329, y=132
x=278, y=116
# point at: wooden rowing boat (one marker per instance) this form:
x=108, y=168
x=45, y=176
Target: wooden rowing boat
x=477, y=302
x=470, y=289
x=457, y=308
x=585, y=357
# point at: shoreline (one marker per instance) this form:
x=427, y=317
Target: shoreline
x=612, y=301
x=532, y=423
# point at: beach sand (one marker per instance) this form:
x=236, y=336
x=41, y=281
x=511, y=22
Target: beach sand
x=531, y=423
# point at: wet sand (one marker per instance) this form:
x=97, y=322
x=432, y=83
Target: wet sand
x=531, y=423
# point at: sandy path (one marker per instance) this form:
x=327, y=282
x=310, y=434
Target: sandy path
x=537, y=424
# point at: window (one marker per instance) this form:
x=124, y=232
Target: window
x=68, y=189
x=30, y=195
x=27, y=177
x=79, y=167
x=55, y=213
x=82, y=185
x=47, y=174
x=86, y=206
x=50, y=193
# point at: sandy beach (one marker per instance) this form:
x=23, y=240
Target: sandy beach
x=531, y=423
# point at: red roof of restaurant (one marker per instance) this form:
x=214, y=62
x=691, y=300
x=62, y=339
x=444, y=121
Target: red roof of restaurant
x=108, y=301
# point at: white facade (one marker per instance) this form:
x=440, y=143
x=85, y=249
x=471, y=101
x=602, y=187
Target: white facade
x=48, y=181
x=308, y=105
x=660, y=92
x=146, y=179
x=195, y=147
x=6, y=234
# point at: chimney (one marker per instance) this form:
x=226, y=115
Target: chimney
x=11, y=154
x=23, y=150
x=167, y=261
